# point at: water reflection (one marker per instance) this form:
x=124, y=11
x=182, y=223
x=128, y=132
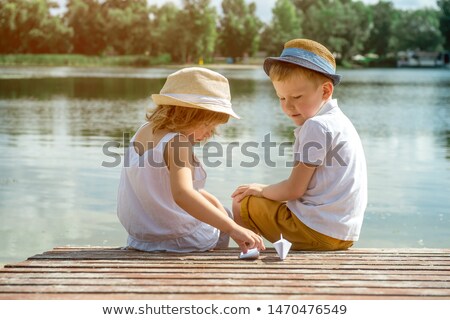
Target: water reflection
x=54, y=122
x=79, y=88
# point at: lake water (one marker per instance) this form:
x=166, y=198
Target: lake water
x=57, y=186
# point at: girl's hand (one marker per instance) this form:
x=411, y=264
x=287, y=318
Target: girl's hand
x=254, y=189
x=247, y=239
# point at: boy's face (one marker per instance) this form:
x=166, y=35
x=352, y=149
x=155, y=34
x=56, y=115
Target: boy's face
x=300, y=97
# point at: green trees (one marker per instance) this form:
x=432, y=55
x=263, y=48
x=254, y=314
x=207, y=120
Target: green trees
x=341, y=25
x=444, y=21
x=417, y=29
x=114, y=26
x=26, y=26
x=239, y=29
x=382, y=15
x=285, y=25
x=195, y=31
x=163, y=28
x=127, y=26
x=86, y=20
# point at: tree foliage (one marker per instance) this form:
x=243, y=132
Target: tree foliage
x=382, y=14
x=426, y=35
x=285, y=25
x=444, y=21
x=197, y=27
x=127, y=26
x=163, y=28
x=239, y=29
x=195, y=31
x=87, y=21
x=26, y=26
x=342, y=26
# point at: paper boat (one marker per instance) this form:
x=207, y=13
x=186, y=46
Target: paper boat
x=251, y=254
x=282, y=246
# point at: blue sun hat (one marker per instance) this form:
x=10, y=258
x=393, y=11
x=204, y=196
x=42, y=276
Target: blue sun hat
x=307, y=54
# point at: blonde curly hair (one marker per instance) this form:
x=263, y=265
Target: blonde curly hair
x=176, y=118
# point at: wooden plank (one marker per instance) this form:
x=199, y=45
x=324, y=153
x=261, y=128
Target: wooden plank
x=297, y=258
x=250, y=276
x=190, y=296
x=436, y=264
x=249, y=265
x=10, y=282
x=226, y=289
x=112, y=273
x=245, y=272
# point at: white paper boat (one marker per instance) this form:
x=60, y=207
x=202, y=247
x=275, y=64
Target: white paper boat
x=282, y=246
x=251, y=254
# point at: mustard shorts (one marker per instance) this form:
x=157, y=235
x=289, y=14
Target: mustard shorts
x=271, y=218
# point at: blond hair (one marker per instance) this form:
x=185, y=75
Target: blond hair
x=176, y=118
x=281, y=71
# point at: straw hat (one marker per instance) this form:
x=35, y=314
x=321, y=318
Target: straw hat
x=307, y=54
x=196, y=88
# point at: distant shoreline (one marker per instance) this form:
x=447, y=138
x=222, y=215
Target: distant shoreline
x=137, y=61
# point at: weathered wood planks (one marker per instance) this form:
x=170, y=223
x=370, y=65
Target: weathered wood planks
x=111, y=273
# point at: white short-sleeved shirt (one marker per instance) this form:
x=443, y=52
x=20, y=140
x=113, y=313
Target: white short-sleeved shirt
x=336, y=197
x=147, y=210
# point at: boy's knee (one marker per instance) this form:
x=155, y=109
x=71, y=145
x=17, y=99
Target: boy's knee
x=236, y=207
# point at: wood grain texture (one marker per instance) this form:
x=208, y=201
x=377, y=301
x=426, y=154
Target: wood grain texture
x=112, y=273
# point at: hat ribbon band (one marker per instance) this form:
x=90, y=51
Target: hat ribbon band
x=199, y=99
x=309, y=56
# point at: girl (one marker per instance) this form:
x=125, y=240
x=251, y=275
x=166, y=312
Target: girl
x=161, y=200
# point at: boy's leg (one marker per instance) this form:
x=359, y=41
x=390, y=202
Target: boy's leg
x=260, y=215
x=272, y=218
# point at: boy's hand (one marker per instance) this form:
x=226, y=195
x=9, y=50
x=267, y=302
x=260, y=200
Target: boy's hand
x=254, y=189
x=247, y=239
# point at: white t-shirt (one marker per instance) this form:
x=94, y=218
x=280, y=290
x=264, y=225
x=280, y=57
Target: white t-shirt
x=336, y=197
x=147, y=210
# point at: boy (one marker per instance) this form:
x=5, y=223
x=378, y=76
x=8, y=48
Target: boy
x=321, y=205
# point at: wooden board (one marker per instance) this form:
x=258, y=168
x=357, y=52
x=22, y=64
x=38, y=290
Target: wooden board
x=112, y=273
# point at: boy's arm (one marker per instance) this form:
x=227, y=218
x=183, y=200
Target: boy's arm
x=190, y=200
x=292, y=188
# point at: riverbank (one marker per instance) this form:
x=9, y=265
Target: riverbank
x=74, y=60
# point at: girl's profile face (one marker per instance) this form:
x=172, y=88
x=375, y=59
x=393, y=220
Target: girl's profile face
x=202, y=132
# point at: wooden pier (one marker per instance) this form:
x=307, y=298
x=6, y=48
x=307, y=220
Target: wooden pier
x=112, y=273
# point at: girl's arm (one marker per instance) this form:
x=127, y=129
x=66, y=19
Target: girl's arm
x=179, y=156
x=213, y=200
x=290, y=189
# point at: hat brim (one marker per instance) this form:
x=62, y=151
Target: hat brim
x=160, y=99
x=336, y=78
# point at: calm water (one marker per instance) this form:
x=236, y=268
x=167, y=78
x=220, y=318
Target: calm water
x=54, y=190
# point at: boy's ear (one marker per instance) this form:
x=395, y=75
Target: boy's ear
x=327, y=90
